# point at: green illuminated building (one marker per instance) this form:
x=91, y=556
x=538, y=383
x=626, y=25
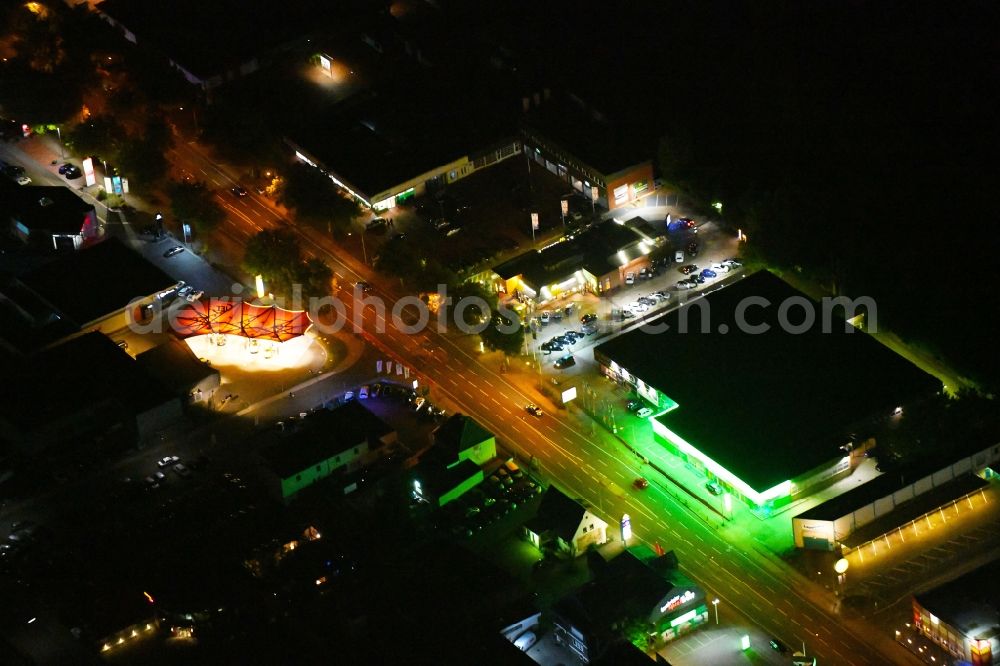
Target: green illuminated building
x=767, y=406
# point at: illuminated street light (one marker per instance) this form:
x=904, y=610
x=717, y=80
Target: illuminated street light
x=745, y=642
x=715, y=602
x=717, y=205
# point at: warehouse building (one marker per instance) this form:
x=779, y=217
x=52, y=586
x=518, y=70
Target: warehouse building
x=963, y=616
x=770, y=405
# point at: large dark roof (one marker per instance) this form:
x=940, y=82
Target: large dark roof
x=438, y=476
x=206, y=38
x=768, y=407
x=175, y=365
x=557, y=513
x=970, y=603
x=884, y=485
x=45, y=208
x=598, y=250
x=97, y=281
x=325, y=434
x=396, y=133
x=607, y=145
x=72, y=375
x=458, y=433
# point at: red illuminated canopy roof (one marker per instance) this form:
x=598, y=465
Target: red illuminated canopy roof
x=234, y=317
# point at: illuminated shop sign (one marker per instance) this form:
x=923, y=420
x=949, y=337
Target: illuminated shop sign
x=677, y=601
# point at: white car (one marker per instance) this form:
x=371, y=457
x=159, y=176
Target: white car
x=630, y=278
x=683, y=284
x=679, y=257
x=184, y=291
x=636, y=306
x=525, y=641
x=194, y=296
x=721, y=268
x=644, y=413
x=23, y=180
x=167, y=461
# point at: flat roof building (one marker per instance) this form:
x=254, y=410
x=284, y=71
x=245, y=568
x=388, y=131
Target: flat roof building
x=86, y=388
x=761, y=402
x=99, y=288
x=175, y=366
x=893, y=500
x=328, y=442
x=393, y=143
x=963, y=615
x=606, y=159
x=595, y=260
x=49, y=217
x=213, y=43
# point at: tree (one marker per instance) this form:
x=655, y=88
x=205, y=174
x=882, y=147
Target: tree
x=194, y=203
x=140, y=160
x=316, y=199
x=504, y=333
x=100, y=135
x=276, y=255
x=473, y=314
x=315, y=277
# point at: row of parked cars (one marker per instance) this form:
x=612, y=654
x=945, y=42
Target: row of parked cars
x=697, y=277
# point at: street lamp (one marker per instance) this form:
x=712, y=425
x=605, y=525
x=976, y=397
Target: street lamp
x=62, y=151
x=715, y=602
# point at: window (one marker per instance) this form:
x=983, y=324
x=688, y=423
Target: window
x=621, y=193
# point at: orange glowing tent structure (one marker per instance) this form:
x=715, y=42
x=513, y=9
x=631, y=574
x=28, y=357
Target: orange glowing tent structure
x=235, y=317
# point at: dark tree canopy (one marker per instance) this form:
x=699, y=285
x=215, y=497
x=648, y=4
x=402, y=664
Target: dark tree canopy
x=316, y=199
x=195, y=203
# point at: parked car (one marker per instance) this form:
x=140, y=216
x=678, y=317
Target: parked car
x=644, y=274
x=641, y=483
x=588, y=318
x=697, y=278
x=692, y=249
x=734, y=262
x=363, y=393
x=679, y=256
x=565, y=362
x=708, y=273
x=525, y=641
x=533, y=409
x=546, y=318
x=441, y=224
x=176, y=249
x=194, y=296
x=688, y=269
x=63, y=168
x=184, y=291
x=167, y=461
x=644, y=413
x=633, y=406
x=181, y=470
x=683, y=285
x=714, y=488
x=23, y=180
x=630, y=278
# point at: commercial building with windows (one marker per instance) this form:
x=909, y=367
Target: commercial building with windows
x=598, y=157
x=596, y=260
x=327, y=443
x=757, y=396
x=893, y=501
x=963, y=616
x=386, y=146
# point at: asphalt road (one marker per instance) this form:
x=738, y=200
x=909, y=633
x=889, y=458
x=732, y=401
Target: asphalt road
x=582, y=458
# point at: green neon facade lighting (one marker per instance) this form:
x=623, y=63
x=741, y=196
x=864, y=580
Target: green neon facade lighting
x=681, y=619
x=783, y=489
